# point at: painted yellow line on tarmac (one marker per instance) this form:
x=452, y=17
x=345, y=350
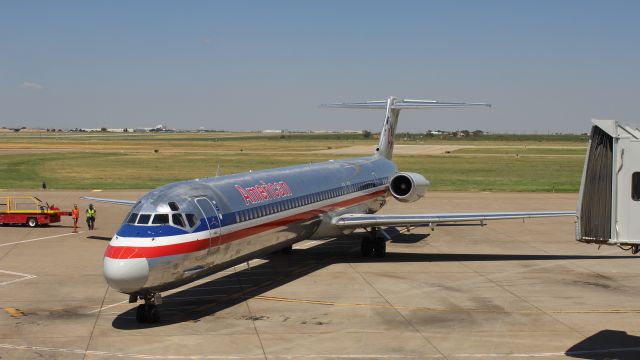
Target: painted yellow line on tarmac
x=96, y=190
x=16, y=313
x=441, y=309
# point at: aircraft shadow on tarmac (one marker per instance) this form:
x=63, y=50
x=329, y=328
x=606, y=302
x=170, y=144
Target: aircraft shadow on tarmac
x=208, y=298
x=607, y=344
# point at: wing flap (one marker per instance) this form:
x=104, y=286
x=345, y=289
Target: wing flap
x=364, y=220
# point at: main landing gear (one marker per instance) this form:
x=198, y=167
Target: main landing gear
x=373, y=245
x=148, y=312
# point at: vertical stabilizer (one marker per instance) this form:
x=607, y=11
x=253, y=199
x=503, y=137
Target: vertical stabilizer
x=393, y=107
x=387, y=136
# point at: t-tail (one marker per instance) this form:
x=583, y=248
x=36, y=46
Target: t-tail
x=393, y=106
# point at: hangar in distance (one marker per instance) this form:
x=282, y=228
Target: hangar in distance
x=184, y=231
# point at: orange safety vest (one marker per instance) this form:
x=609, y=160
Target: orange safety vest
x=75, y=213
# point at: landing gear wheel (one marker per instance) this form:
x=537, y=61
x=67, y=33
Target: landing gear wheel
x=380, y=247
x=366, y=247
x=147, y=314
x=32, y=222
x=141, y=314
x=153, y=315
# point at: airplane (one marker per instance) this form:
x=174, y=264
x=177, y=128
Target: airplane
x=184, y=231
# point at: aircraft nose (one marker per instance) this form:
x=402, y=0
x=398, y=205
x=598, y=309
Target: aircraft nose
x=126, y=275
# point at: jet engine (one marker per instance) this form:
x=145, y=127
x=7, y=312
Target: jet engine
x=408, y=187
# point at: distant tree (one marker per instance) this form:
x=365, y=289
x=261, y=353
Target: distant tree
x=477, y=132
x=103, y=129
x=366, y=134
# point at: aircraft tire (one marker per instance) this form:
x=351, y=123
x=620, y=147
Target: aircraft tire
x=141, y=314
x=380, y=247
x=153, y=315
x=366, y=247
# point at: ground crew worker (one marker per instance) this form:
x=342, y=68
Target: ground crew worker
x=75, y=215
x=91, y=217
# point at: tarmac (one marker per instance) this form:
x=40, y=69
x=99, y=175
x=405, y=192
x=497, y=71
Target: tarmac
x=511, y=289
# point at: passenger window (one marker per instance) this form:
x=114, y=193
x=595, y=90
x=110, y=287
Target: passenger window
x=635, y=186
x=132, y=218
x=191, y=220
x=160, y=219
x=177, y=220
x=143, y=219
x=173, y=206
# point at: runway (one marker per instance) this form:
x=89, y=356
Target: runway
x=511, y=289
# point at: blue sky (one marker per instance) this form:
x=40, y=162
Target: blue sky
x=546, y=66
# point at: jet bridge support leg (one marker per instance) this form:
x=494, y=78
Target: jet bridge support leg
x=373, y=245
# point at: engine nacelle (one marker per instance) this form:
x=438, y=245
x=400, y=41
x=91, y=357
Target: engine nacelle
x=408, y=187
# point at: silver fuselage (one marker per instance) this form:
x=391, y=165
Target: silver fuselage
x=184, y=231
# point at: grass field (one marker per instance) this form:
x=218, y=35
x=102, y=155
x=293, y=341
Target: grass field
x=131, y=161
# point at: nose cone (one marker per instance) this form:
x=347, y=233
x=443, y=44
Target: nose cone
x=126, y=275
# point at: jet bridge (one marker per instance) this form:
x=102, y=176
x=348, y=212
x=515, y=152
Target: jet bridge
x=609, y=202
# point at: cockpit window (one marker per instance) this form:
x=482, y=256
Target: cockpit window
x=191, y=219
x=177, y=220
x=132, y=218
x=143, y=219
x=173, y=206
x=160, y=219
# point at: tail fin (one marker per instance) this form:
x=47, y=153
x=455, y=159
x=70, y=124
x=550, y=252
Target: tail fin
x=393, y=107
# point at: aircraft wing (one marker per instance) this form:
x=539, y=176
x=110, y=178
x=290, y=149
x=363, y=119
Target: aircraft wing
x=110, y=201
x=363, y=220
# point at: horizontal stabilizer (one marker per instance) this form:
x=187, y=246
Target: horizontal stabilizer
x=355, y=221
x=110, y=201
x=403, y=104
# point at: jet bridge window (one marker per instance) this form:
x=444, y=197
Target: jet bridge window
x=160, y=219
x=143, y=219
x=635, y=186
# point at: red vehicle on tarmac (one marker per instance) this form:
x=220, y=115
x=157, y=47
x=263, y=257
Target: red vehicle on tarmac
x=28, y=210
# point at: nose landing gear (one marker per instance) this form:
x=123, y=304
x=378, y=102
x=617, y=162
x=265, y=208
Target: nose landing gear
x=148, y=312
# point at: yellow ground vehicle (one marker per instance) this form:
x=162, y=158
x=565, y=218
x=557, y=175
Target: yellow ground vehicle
x=28, y=210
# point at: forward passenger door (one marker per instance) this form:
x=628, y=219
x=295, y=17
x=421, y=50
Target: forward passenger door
x=212, y=218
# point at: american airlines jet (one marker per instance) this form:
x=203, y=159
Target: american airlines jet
x=184, y=231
